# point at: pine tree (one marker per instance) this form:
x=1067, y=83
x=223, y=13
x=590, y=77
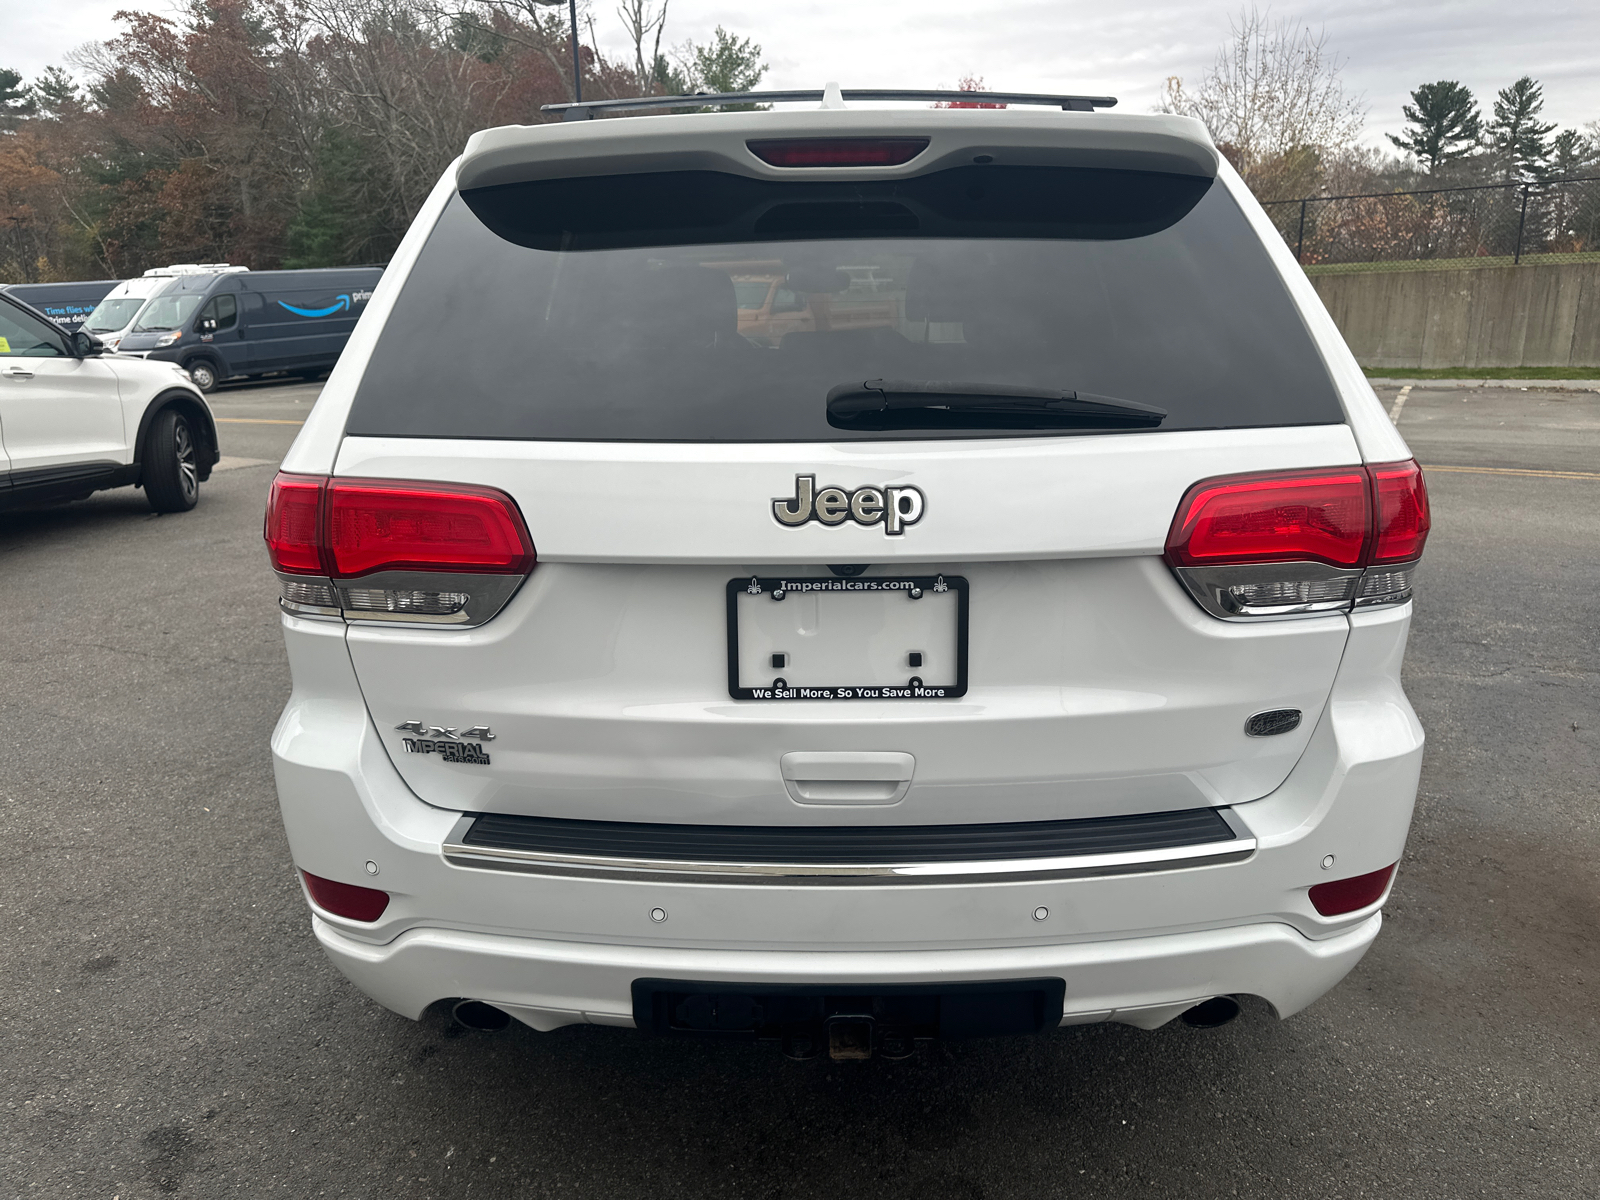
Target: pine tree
x=728, y=64
x=1517, y=137
x=1571, y=154
x=16, y=102
x=56, y=93
x=1444, y=124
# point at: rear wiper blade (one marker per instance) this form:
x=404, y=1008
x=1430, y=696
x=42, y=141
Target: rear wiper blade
x=936, y=404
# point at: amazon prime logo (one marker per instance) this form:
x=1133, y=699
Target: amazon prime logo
x=892, y=507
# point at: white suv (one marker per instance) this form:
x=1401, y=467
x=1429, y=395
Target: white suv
x=1016, y=644
x=73, y=421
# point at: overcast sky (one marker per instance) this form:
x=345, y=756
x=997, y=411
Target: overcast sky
x=1126, y=49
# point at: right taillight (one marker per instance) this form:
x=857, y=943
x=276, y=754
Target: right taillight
x=1299, y=543
x=395, y=550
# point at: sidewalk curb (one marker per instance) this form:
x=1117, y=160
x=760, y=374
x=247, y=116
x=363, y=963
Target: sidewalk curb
x=1527, y=385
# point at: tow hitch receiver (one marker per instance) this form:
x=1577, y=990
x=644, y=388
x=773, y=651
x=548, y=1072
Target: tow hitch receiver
x=852, y=1021
x=850, y=1037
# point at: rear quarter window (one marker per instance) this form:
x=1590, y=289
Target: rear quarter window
x=711, y=308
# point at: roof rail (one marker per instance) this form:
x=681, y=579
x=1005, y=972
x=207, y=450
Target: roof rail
x=588, y=109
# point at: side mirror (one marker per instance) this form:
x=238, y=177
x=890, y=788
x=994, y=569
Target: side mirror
x=209, y=325
x=86, y=345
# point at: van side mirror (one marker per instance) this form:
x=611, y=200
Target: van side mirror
x=86, y=345
x=209, y=325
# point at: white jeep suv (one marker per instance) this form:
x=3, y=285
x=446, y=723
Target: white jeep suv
x=74, y=421
x=1014, y=643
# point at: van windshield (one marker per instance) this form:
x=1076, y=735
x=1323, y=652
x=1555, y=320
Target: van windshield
x=112, y=315
x=167, y=312
x=729, y=316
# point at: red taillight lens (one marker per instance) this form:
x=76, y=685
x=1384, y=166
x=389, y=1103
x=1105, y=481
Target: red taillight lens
x=346, y=899
x=1347, y=895
x=837, y=152
x=1291, y=516
x=379, y=525
x=293, y=527
x=1400, y=505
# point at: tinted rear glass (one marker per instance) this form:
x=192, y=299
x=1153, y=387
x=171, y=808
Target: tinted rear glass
x=711, y=308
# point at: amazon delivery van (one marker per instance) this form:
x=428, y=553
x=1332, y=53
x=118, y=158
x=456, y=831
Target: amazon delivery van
x=229, y=325
x=67, y=304
x=119, y=309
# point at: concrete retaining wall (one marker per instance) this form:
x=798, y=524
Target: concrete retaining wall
x=1529, y=316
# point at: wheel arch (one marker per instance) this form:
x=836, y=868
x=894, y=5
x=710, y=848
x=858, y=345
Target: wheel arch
x=200, y=420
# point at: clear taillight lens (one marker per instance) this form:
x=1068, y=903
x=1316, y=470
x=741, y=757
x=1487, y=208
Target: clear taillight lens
x=1300, y=543
x=395, y=550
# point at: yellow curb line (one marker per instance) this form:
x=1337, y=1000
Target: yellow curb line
x=1518, y=471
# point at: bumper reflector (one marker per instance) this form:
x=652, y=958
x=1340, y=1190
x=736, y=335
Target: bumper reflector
x=1347, y=895
x=346, y=899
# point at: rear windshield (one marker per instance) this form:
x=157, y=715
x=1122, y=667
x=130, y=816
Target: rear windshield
x=703, y=307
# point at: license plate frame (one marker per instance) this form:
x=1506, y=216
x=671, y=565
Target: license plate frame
x=823, y=586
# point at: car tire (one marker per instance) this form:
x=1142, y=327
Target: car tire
x=171, y=463
x=204, y=374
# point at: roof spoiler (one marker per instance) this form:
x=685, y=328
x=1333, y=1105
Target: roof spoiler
x=831, y=96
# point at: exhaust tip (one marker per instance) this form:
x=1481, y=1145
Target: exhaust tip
x=1212, y=1013
x=481, y=1017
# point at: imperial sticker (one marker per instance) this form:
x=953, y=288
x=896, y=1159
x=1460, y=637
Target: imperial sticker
x=446, y=742
x=893, y=507
x=456, y=752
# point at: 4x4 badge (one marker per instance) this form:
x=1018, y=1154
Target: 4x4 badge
x=893, y=507
x=444, y=741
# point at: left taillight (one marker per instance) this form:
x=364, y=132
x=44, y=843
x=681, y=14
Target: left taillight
x=1300, y=543
x=395, y=550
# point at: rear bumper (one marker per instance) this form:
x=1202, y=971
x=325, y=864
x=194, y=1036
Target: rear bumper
x=1139, y=981
x=1135, y=947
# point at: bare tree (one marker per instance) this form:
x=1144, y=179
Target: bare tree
x=402, y=91
x=540, y=26
x=1274, y=103
x=644, y=23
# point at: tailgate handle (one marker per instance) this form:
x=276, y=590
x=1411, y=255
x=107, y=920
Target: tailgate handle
x=847, y=776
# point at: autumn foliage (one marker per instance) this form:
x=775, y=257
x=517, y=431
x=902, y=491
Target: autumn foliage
x=266, y=132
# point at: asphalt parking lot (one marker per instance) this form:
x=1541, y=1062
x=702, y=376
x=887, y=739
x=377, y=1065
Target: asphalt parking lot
x=169, y=1025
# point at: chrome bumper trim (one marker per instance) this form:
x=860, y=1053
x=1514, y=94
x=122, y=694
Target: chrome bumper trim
x=1237, y=849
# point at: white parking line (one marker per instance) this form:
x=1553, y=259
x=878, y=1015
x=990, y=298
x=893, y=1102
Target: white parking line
x=229, y=463
x=1399, y=403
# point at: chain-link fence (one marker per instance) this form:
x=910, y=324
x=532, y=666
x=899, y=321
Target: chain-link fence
x=1487, y=226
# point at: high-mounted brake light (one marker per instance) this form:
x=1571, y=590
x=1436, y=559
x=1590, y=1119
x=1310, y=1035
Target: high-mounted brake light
x=837, y=152
x=395, y=550
x=1294, y=543
x=346, y=899
x=1347, y=895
